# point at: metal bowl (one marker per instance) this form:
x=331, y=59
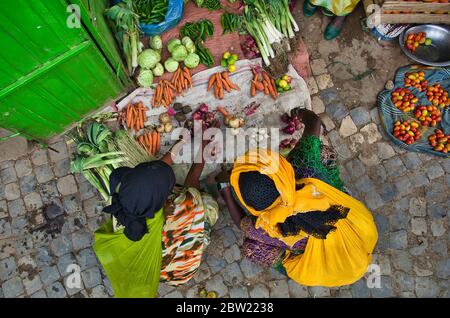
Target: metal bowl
x=438, y=53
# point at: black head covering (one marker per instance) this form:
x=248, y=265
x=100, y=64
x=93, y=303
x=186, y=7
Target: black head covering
x=143, y=191
x=257, y=190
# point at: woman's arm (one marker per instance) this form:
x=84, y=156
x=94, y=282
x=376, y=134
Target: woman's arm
x=168, y=157
x=235, y=210
x=311, y=121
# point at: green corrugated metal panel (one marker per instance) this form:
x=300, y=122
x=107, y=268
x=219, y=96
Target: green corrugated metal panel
x=50, y=75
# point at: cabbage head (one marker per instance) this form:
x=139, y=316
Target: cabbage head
x=148, y=59
x=179, y=53
x=188, y=44
x=156, y=43
x=158, y=70
x=192, y=60
x=145, y=78
x=171, y=65
x=172, y=44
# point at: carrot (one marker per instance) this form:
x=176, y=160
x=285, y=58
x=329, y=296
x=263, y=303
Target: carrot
x=211, y=81
x=221, y=93
x=274, y=87
x=154, y=140
x=158, y=141
x=266, y=77
x=149, y=143
x=170, y=85
x=186, y=83
x=234, y=86
x=188, y=76
x=223, y=111
x=266, y=87
x=258, y=85
x=128, y=116
x=254, y=71
x=225, y=84
x=219, y=80
x=253, y=90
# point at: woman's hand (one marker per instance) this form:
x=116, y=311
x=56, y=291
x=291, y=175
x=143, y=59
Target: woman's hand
x=310, y=119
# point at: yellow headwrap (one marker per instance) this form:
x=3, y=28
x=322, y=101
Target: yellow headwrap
x=344, y=255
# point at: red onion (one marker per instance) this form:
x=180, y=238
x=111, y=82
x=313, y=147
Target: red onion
x=203, y=108
x=197, y=115
x=285, y=118
x=289, y=129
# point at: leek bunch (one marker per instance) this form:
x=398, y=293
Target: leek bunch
x=269, y=22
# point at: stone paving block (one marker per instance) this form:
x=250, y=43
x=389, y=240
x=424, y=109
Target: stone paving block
x=19, y=225
x=279, y=289
x=445, y=163
x=369, y=158
x=67, y=185
x=216, y=284
x=64, y=262
x=39, y=157
x=318, y=292
x=174, y=294
x=43, y=256
x=56, y=290
x=434, y=170
x=371, y=133
x=398, y=240
x=343, y=152
x=216, y=264
x=387, y=192
x=232, y=254
x=440, y=247
x=92, y=207
x=33, y=201
x=312, y=86
x=39, y=294
x=328, y=123
x=8, y=175
x=385, y=150
x=336, y=110
x=435, y=193
x=296, y=290
x=203, y=273
x=12, y=191
x=404, y=281
x=420, y=247
x=44, y=173
x=250, y=270
x=359, y=289
x=419, y=179
x=418, y=206
x=62, y=168
x=62, y=153
x=61, y=245
x=5, y=228
x=318, y=67
x=239, y=292
x=164, y=289
x=16, y=208
x=399, y=220
x=317, y=105
x=443, y=268
x=24, y=246
x=386, y=288
x=86, y=258
x=347, y=127
x=411, y=160
x=259, y=291
x=3, y=209
x=356, y=142
x=360, y=116
x=12, y=288
x=437, y=228
x=99, y=292
x=6, y=164
x=364, y=184
x=23, y=167
x=91, y=277
x=394, y=167
x=329, y=95
x=375, y=115
x=32, y=285
x=373, y=200
x=8, y=268
x=403, y=186
x=426, y=287
x=71, y=204
x=402, y=260
x=49, y=275
x=232, y=274
x=419, y=226
x=27, y=184
x=81, y=240
x=324, y=81
x=86, y=190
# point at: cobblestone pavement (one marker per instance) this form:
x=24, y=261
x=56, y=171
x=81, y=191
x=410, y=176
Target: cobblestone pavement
x=47, y=217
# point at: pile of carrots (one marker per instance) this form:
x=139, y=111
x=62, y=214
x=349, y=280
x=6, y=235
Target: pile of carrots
x=165, y=91
x=221, y=82
x=151, y=141
x=264, y=83
x=135, y=116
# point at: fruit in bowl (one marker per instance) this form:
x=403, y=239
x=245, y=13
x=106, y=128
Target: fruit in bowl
x=439, y=141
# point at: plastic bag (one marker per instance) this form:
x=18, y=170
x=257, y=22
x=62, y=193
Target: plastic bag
x=173, y=17
x=133, y=268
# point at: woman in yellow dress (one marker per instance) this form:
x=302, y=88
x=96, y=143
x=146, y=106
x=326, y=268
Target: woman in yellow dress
x=339, y=9
x=295, y=214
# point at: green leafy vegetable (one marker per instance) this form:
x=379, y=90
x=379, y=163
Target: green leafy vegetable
x=158, y=70
x=148, y=59
x=156, y=42
x=172, y=44
x=188, y=44
x=171, y=65
x=145, y=78
x=179, y=53
x=192, y=60
x=151, y=11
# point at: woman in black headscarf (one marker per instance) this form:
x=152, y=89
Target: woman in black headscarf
x=163, y=229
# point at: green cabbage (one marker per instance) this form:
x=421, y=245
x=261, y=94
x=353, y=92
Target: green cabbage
x=148, y=59
x=171, y=65
x=158, y=70
x=192, y=60
x=179, y=53
x=188, y=44
x=172, y=44
x=156, y=43
x=145, y=78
